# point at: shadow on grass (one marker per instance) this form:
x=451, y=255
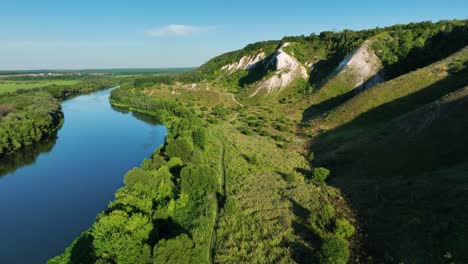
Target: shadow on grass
x=394, y=167
x=303, y=251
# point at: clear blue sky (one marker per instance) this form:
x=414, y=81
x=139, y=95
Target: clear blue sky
x=129, y=34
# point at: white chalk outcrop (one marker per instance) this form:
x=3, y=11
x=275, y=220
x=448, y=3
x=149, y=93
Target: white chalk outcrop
x=363, y=65
x=287, y=70
x=245, y=63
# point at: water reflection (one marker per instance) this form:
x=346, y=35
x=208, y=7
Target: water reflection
x=26, y=156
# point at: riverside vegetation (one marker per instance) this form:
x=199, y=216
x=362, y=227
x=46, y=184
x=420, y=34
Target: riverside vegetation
x=29, y=115
x=362, y=159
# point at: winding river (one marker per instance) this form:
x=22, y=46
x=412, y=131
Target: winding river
x=52, y=192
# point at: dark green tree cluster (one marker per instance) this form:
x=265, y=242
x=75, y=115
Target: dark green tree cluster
x=27, y=116
x=162, y=214
x=32, y=116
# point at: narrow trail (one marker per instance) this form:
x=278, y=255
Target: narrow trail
x=235, y=100
x=220, y=199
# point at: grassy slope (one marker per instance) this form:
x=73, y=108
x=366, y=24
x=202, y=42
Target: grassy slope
x=265, y=217
x=425, y=84
x=407, y=180
x=269, y=198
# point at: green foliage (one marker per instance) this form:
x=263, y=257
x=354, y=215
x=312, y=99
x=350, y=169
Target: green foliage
x=181, y=147
x=320, y=174
x=28, y=116
x=324, y=218
x=311, y=157
x=334, y=250
x=198, y=181
x=175, y=162
x=135, y=175
x=157, y=162
x=199, y=137
x=121, y=238
x=166, y=209
x=343, y=228
x=177, y=250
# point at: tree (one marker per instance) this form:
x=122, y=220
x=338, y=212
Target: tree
x=181, y=147
x=320, y=174
x=199, y=137
x=343, y=228
x=176, y=250
x=120, y=238
x=199, y=181
x=334, y=250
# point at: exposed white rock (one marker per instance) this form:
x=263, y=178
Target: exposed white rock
x=245, y=63
x=287, y=70
x=363, y=64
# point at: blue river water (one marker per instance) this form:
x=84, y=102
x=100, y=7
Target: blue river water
x=52, y=192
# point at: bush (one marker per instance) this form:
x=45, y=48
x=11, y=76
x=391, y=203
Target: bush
x=310, y=133
x=245, y=130
x=174, y=162
x=180, y=147
x=147, y=165
x=254, y=160
x=311, y=157
x=343, y=228
x=320, y=174
x=199, y=181
x=158, y=161
x=199, y=137
x=325, y=217
x=135, y=175
x=334, y=250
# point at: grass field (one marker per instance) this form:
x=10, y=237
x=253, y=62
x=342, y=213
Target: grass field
x=12, y=86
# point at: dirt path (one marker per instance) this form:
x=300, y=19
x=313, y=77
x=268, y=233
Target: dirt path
x=235, y=100
x=221, y=198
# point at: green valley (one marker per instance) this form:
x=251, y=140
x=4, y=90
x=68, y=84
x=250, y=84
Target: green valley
x=339, y=147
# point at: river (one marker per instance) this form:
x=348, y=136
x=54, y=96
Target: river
x=52, y=192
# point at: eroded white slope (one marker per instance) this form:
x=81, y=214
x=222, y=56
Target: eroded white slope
x=362, y=65
x=245, y=63
x=287, y=69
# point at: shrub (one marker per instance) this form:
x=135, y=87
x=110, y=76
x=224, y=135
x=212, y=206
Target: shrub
x=325, y=216
x=199, y=181
x=310, y=133
x=254, y=160
x=135, y=175
x=320, y=174
x=334, y=250
x=158, y=161
x=199, y=137
x=343, y=228
x=146, y=165
x=245, y=130
x=174, y=162
x=180, y=147
x=311, y=157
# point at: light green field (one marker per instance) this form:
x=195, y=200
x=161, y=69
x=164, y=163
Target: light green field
x=12, y=86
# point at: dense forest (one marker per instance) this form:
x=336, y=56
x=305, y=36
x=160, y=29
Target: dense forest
x=27, y=116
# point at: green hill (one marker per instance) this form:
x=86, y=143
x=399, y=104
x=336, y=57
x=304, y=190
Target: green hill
x=407, y=180
x=341, y=147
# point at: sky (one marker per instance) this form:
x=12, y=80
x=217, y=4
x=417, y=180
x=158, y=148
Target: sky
x=90, y=34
